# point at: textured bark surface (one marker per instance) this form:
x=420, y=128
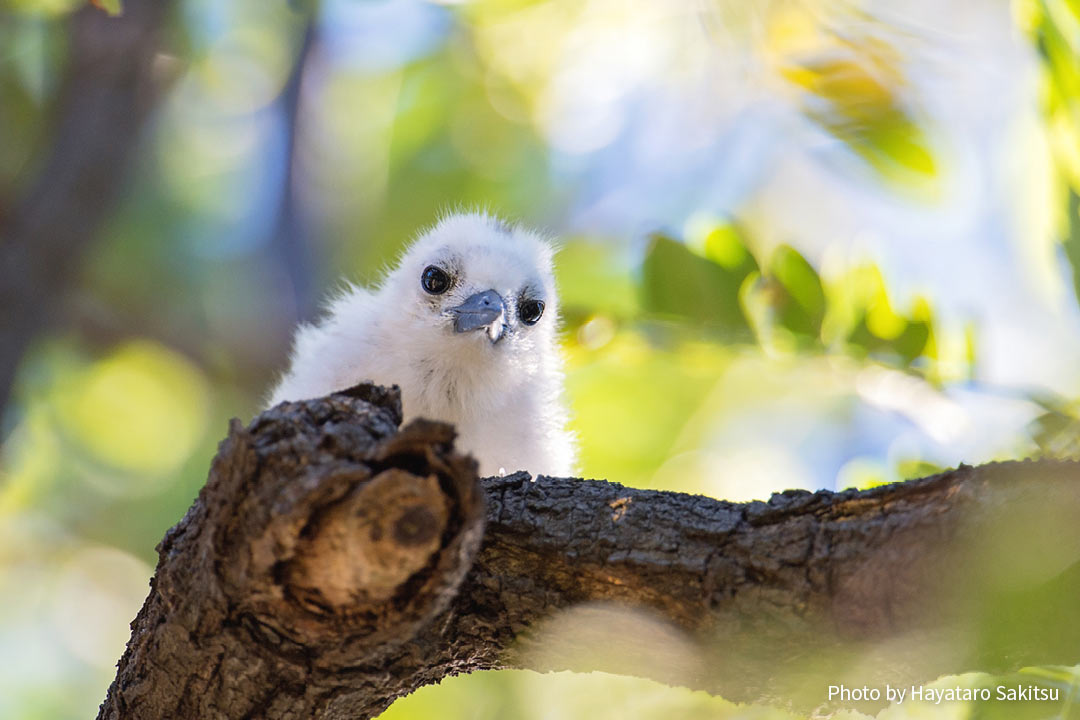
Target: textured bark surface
x=332, y=564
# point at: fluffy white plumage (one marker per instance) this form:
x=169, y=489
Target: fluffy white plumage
x=465, y=355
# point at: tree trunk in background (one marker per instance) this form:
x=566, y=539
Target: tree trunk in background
x=107, y=91
x=334, y=563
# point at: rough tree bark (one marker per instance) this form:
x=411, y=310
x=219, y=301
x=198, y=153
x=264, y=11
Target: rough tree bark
x=334, y=563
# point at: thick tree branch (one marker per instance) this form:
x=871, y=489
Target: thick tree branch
x=332, y=564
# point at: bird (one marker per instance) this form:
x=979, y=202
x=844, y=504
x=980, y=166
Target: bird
x=466, y=324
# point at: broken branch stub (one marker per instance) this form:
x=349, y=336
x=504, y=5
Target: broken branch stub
x=324, y=539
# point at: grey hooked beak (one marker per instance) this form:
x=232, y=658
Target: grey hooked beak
x=482, y=310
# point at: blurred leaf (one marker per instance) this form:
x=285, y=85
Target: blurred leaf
x=875, y=327
x=679, y=283
x=526, y=695
x=594, y=277
x=797, y=295
x=854, y=91
x=1072, y=238
x=113, y=7
x=882, y=320
x=916, y=468
x=787, y=306
x=912, y=342
x=1054, y=26
x=1063, y=677
x=1044, y=679
x=863, y=472
x=29, y=463
x=724, y=246
x=31, y=62
x=1057, y=434
x=895, y=146
x=44, y=8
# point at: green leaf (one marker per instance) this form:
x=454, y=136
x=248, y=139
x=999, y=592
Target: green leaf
x=724, y=246
x=798, y=296
x=1057, y=433
x=1072, y=239
x=855, y=93
x=912, y=342
x=113, y=7
x=677, y=282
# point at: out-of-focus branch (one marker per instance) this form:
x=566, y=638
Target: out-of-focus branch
x=107, y=90
x=291, y=243
x=333, y=563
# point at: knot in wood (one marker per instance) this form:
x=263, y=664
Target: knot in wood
x=365, y=547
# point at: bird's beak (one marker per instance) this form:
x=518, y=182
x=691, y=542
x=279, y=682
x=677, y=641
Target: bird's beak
x=482, y=310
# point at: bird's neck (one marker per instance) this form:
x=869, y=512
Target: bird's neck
x=457, y=387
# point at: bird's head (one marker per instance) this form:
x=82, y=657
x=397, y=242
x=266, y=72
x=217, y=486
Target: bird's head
x=479, y=292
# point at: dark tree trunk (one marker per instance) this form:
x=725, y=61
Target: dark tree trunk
x=333, y=563
x=108, y=88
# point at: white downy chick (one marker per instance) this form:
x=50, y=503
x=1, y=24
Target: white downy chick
x=466, y=326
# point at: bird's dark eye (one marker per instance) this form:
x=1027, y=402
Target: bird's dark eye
x=434, y=280
x=530, y=311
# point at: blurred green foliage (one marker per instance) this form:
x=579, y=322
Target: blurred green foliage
x=720, y=357
x=725, y=290
x=1053, y=26
x=692, y=289
x=853, y=85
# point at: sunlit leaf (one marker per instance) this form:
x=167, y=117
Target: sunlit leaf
x=48, y=8
x=854, y=90
x=861, y=303
x=917, y=468
x=847, y=83
x=113, y=7
x=725, y=246
x=882, y=320
x=862, y=472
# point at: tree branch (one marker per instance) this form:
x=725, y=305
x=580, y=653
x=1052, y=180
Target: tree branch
x=332, y=564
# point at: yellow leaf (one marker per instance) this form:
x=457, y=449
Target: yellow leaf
x=113, y=7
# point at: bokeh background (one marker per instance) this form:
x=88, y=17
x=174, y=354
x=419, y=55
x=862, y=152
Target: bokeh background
x=804, y=244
